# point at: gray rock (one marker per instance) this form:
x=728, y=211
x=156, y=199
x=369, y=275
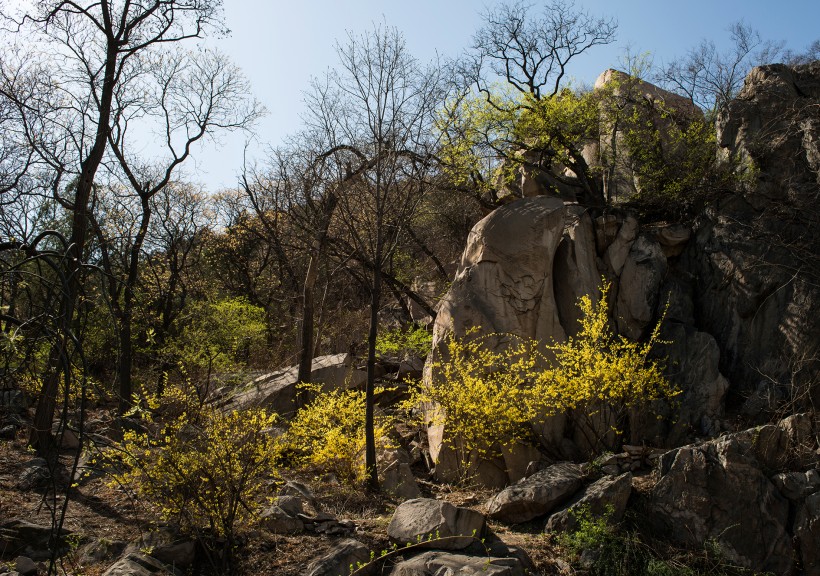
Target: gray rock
x=12, y=401
x=638, y=287
x=807, y=534
x=278, y=521
x=758, y=251
x=424, y=519
x=694, y=357
x=299, y=490
x=25, y=538
x=606, y=496
x=716, y=490
x=673, y=239
x=278, y=390
x=166, y=546
x=101, y=550
x=445, y=564
x=504, y=284
x=536, y=495
x=338, y=560
x=574, y=268
x=26, y=566
x=139, y=564
x=291, y=505
x=618, y=251
x=797, y=485
x=398, y=480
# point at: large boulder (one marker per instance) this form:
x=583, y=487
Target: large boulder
x=441, y=524
x=505, y=282
x=504, y=285
x=536, y=495
x=278, y=391
x=717, y=491
x=605, y=497
x=444, y=563
x=623, y=95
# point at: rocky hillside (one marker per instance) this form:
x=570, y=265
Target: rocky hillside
x=726, y=477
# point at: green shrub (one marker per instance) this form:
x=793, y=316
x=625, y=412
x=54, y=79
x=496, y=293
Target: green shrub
x=416, y=341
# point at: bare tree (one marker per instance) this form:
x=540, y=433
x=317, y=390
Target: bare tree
x=531, y=53
x=377, y=110
x=91, y=45
x=711, y=78
x=189, y=96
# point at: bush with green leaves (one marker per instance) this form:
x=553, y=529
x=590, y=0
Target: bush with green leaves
x=218, y=335
x=414, y=341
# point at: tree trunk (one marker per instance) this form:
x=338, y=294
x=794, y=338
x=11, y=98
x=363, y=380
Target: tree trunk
x=369, y=414
x=40, y=438
x=306, y=341
x=125, y=361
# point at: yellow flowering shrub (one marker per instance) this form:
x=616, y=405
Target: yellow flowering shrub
x=202, y=467
x=328, y=433
x=490, y=389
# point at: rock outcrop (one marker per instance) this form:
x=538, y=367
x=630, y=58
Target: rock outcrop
x=756, y=256
x=729, y=490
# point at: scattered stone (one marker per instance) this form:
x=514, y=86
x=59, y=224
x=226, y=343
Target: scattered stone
x=337, y=561
x=536, y=495
x=278, y=521
x=807, y=534
x=444, y=563
x=424, y=519
x=25, y=566
x=140, y=564
x=608, y=496
x=166, y=546
x=25, y=538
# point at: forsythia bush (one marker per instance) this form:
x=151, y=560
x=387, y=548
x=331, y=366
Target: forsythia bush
x=328, y=433
x=203, y=467
x=488, y=398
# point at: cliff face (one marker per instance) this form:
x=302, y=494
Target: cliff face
x=756, y=255
x=743, y=283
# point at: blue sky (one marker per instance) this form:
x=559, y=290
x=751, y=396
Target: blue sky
x=281, y=45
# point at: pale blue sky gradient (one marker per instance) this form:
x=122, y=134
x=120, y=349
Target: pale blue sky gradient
x=280, y=45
